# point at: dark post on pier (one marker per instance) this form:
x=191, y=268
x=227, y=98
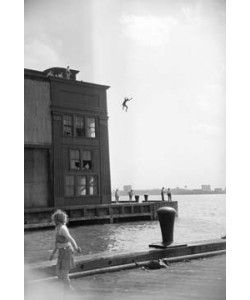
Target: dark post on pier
x=166, y=217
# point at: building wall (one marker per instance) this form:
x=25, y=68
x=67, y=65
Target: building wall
x=87, y=100
x=105, y=162
x=37, y=116
x=36, y=178
x=78, y=95
x=46, y=101
x=206, y=188
x=37, y=142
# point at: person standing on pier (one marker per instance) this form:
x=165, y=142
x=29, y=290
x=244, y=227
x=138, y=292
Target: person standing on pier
x=68, y=73
x=162, y=194
x=169, y=195
x=130, y=194
x=65, y=244
x=116, y=196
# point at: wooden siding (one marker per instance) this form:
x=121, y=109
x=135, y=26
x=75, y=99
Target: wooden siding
x=37, y=116
x=36, y=178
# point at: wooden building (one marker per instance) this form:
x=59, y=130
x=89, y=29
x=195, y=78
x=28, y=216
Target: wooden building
x=66, y=140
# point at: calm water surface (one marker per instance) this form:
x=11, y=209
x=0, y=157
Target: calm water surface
x=200, y=217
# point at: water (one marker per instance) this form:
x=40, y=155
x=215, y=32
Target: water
x=201, y=217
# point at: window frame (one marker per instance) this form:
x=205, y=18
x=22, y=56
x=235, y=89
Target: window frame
x=94, y=185
x=76, y=185
x=89, y=132
x=81, y=168
x=68, y=126
x=73, y=159
x=88, y=128
x=75, y=126
x=90, y=161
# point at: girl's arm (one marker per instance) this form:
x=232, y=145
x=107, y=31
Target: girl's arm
x=53, y=253
x=65, y=232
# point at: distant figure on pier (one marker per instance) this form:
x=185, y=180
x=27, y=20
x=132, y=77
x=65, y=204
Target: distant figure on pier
x=169, y=195
x=124, y=103
x=65, y=244
x=162, y=194
x=68, y=73
x=116, y=195
x=130, y=194
x=50, y=74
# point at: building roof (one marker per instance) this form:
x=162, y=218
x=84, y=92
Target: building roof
x=61, y=71
x=57, y=73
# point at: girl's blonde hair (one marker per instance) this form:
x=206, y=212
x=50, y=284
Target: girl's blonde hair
x=59, y=216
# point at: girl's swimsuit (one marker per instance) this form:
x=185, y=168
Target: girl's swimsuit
x=65, y=259
x=61, y=239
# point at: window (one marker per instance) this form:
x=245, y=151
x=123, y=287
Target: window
x=80, y=159
x=86, y=160
x=79, y=125
x=69, y=185
x=75, y=159
x=67, y=125
x=90, y=127
x=81, y=185
x=93, y=185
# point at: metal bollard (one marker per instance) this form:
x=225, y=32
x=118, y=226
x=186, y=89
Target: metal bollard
x=146, y=198
x=137, y=198
x=166, y=217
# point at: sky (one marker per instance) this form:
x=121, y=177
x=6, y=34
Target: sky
x=169, y=56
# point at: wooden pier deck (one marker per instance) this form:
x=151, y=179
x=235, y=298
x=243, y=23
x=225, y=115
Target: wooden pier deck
x=39, y=218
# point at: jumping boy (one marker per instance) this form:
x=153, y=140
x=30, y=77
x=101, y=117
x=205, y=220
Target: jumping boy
x=124, y=103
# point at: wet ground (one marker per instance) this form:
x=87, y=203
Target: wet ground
x=203, y=279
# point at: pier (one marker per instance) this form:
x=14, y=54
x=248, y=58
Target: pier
x=194, y=280
x=39, y=218
x=200, y=263
x=87, y=265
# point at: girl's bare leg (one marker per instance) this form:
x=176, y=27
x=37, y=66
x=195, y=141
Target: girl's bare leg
x=58, y=274
x=66, y=280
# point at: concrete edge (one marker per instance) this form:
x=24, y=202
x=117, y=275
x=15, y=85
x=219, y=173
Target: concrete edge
x=129, y=257
x=76, y=275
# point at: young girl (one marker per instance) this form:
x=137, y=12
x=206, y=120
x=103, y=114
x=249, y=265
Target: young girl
x=65, y=244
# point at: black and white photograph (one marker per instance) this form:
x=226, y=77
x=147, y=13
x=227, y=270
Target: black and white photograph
x=124, y=117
